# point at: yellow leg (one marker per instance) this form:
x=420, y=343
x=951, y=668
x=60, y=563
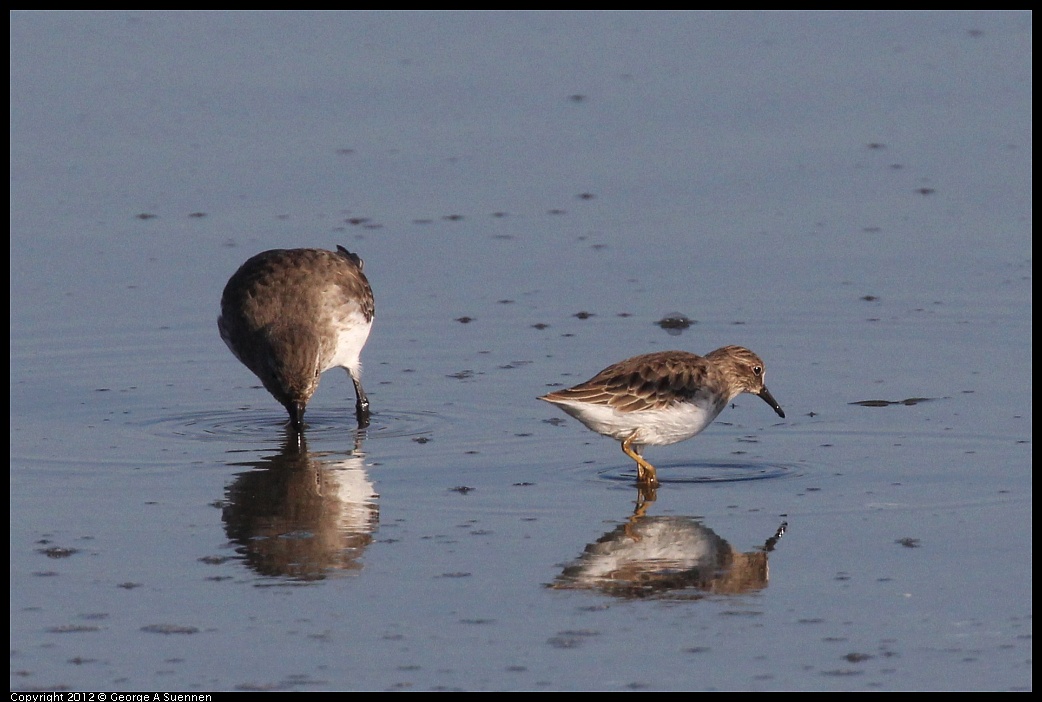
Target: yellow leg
x=646, y=495
x=646, y=474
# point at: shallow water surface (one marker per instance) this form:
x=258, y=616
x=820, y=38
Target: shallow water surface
x=846, y=194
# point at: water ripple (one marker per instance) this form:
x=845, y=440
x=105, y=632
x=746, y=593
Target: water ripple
x=252, y=425
x=707, y=472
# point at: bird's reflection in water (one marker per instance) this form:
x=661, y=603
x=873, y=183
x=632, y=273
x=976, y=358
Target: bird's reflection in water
x=667, y=558
x=301, y=515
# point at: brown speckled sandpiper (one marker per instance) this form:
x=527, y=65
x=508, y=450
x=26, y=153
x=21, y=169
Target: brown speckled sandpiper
x=291, y=314
x=662, y=398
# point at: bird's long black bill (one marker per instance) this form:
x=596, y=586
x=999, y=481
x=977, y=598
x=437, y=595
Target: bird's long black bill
x=296, y=415
x=767, y=397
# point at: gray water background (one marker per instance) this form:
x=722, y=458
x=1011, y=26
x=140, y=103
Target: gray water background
x=848, y=194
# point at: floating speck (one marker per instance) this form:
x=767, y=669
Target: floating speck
x=675, y=321
x=169, y=629
x=72, y=629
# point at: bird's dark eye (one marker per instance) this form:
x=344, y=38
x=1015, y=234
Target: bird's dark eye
x=757, y=370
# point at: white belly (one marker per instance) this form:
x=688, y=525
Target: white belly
x=653, y=427
x=351, y=336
